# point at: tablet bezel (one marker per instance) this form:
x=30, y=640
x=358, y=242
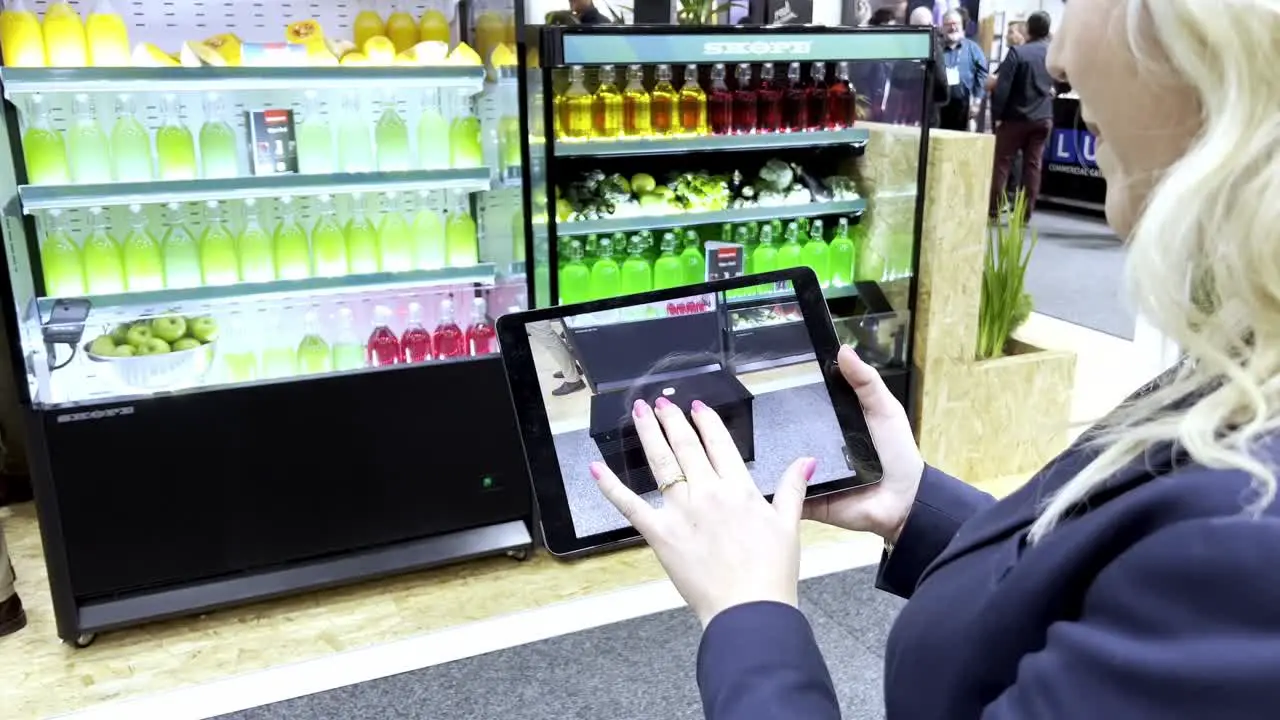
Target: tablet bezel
x=551, y=501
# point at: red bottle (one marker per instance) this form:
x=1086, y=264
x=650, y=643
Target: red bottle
x=818, y=96
x=481, y=339
x=768, y=101
x=795, y=103
x=719, y=103
x=415, y=343
x=842, y=100
x=744, y=102
x=382, y=348
x=448, y=338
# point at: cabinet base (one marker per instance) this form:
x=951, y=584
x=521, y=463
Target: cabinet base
x=508, y=538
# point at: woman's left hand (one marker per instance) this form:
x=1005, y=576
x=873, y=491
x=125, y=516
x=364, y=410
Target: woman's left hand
x=716, y=536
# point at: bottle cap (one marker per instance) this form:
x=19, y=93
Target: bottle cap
x=382, y=315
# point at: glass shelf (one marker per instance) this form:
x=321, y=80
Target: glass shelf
x=756, y=214
x=67, y=197
x=189, y=299
x=766, y=141
x=26, y=81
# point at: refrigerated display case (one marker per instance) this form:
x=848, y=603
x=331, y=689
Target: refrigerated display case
x=653, y=146
x=253, y=306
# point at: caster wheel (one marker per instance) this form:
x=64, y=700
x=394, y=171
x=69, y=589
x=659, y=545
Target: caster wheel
x=84, y=641
x=518, y=555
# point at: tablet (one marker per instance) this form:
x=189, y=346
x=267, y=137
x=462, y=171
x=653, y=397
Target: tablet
x=759, y=349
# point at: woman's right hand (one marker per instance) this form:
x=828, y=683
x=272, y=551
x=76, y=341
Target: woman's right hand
x=881, y=508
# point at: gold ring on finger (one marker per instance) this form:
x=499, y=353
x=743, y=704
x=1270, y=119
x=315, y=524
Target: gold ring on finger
x=667, y=484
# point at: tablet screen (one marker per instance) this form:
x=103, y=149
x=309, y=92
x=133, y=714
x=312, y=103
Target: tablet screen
x=747, y=353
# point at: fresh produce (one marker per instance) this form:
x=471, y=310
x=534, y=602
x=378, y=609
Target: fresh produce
x=155, y=336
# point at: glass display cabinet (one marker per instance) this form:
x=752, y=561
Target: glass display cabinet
x=253, y=287
x=654, y=148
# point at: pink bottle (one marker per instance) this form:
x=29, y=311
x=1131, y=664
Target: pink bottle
x=448, y=337
x=481, y=338
x=415, y=344
x=383, y=348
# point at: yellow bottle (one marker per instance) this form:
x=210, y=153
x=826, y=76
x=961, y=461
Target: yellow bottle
x=20, y=36
x=693, y=104
x=575, y=107
x=108, y=36
x=607, y=106
x=635, y=105
x=368, y=24
x=402, y=29
x=434, y=26
x=64, y=40
x=490, y=29
x=664, y=115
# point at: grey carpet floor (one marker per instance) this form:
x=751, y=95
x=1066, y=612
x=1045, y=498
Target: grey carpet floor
x=641, y=669
x=1077, y=273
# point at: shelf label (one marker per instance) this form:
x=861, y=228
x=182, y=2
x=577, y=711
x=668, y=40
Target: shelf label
x=589, y=49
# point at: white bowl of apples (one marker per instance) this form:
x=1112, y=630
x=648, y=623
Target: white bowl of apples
x=158, y=352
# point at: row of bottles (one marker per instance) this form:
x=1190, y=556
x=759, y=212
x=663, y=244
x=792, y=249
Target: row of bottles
x=767, y=105
x=277, y=352
x=63, y=39
x=89, y=153
x=406, y=236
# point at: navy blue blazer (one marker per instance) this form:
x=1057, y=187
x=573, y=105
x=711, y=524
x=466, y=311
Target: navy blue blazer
x=1159, y=599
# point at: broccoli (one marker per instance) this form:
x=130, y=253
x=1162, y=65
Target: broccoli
x=775, y=175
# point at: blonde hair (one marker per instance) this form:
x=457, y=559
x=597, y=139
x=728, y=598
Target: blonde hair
x=1203, y=261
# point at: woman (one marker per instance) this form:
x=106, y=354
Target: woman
x=1136, y=575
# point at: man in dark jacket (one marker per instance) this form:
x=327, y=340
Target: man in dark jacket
x=587, y=12
x=1022, y=110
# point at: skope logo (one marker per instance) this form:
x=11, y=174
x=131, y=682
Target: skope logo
x=96, y=414
x=758, y=47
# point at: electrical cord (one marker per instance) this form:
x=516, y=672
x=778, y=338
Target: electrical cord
x=51, y=350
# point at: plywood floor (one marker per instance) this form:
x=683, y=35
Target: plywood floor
x=40, y=677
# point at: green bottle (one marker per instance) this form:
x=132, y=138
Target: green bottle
x=742, y=236
x=130, y=144
x=791, y=254
x=667, y=270
x=314, y=355
x=462, y=248
x=180, y=251
x=219, y=150
x=637, y=273
x=289, y=239
x=143, y=261
x=395, y=241
x=816, y=254
x=328, y=243
x=362, y=239
x=765, y=257
x=103, y=261
x=88, y=146
x=605, y=275
x=591, y=249
x=575, y=278
x=842, y=256
x=60, y=259
x=175, y=147
x=692, y=259
x=348, y=347
x=218, y=260
x=255, y=248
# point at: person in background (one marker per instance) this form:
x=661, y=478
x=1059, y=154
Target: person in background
x=586, y=12
x=1015, y=35
x=902, y=104
x=561, y=17
x=965, y=66
x=12, y=617
x=549, y=338
x=900, y=10
x=872, y=77
x=883, y=16
x=1022, y=110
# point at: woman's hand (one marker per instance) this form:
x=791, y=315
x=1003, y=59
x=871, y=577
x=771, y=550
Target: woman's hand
x=716, y=536
x=881, y=508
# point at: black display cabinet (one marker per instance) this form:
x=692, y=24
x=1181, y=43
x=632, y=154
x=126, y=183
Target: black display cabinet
x=273, y=450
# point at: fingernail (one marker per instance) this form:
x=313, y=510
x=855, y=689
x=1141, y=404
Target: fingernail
x=810, y=464
x=698, y=406
x=662, y=403
x=640, y=408
x=597, y=469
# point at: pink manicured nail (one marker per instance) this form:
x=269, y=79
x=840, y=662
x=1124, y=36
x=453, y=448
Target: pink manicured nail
x=699, y=406
x=597, y=469
x=810, y=464
x=662, y=403
x=640, y=408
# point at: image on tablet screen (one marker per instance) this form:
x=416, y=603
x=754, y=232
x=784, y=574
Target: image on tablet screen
x=745, y=353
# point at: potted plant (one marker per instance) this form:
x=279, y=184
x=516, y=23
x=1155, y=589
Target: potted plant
x=1005, y=304
x=702, y=12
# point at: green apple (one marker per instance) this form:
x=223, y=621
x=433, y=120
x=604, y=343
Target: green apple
x=154, y=346
x=138, y=336
x=169, y=327
x=204, y=329
x=185, y=343
x=124, y=351
x=103, y=345
x=119, y=332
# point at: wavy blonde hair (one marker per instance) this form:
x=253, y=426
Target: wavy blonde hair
x=1204, y=257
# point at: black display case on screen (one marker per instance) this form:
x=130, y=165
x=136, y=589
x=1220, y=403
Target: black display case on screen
x=158, y=498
